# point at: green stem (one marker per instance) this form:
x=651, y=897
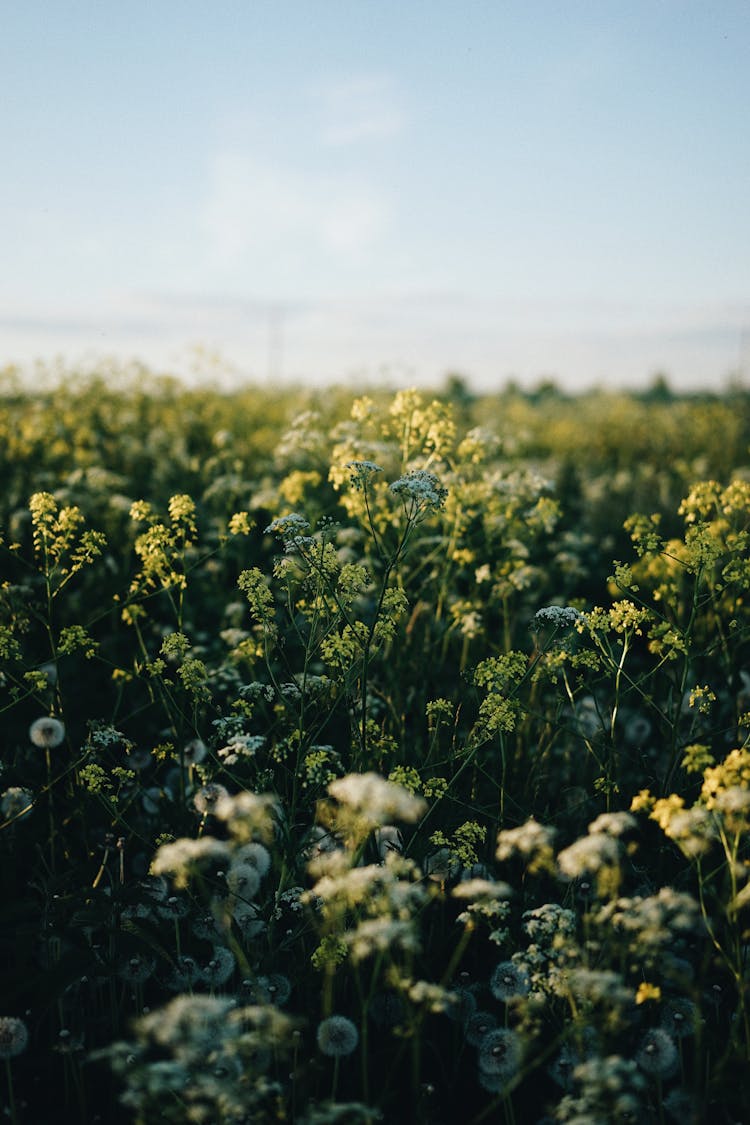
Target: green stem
x=11, y=1095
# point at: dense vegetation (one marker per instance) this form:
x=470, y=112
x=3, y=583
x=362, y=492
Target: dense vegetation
x=373, y=759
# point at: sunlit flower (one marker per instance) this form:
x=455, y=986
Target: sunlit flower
x=337, y=1036
x=183, y=857
x=589, y=855
x=613, y=824
x=377, y=799
x=208, y=797
x=47, y=732
x=531, y=842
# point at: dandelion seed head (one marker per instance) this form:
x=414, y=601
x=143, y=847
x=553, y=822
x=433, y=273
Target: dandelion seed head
x=220, y=968
x=47, y=732
x=657, y=1053
x=500, y=1053
x=248, y=920
x=337, y=1036
x=478, y=1025
x=208, y=797
x=679, y=1017
x=277, y=986
x=509, y=982
x=137, y=969
x=194, y=752
x=14, y=1037
x=243, y=880
x=256, y=855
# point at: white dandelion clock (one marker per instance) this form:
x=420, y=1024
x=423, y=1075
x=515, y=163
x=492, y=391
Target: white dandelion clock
x=337, y=1037
x=509, y=982
x=14, y=1037
x=500, y=1053
x=47, y=732
x=208, y=797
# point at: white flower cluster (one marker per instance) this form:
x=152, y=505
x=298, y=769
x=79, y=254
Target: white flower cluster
x=421, y=489
x=360, y=471
x=286, y=526
x=561, y=616
x=529, y=840
x=182, y=857
x=379, y=800
x=240, y=747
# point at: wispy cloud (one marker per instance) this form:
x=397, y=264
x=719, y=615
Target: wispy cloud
x=359, y=109
x=279, y=220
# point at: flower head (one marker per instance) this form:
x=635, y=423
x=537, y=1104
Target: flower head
x=377, y=799
x=657, y=1053
x=137, y=969
x=288, y=526
x=208, y=796
x=194, y=752
x=560, y=616
x=14, y=1036
x=337, y=1036
x=420, y=490
x=509, y=981
x=500, y=1053
x=360, y=471
x=47, y=732
x=243, y=880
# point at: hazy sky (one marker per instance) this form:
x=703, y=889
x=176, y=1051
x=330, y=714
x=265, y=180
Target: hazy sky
x=326, y=188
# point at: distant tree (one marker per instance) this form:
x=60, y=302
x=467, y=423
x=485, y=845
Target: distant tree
x=658, y=390
x=457, y=390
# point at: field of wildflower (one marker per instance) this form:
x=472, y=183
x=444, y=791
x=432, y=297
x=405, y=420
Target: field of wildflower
x=379, y=758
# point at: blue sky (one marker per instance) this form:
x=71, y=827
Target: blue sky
x=375, y=189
